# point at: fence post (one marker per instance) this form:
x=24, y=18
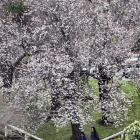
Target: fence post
x=122, y=135
x=26, y=137
x=6, y=131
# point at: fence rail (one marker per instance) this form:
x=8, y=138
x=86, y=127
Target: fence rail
x=26, y=134
x=119, y=134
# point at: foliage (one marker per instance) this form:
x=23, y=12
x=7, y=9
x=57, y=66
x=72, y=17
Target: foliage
x=15, y=8
x=118, y=106
x=133, y=131
x=61, y=42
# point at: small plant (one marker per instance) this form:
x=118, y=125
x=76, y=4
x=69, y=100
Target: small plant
x=132, y=132
x=15, y=8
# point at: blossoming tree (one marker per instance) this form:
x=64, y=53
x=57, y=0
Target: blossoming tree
x=51, y=48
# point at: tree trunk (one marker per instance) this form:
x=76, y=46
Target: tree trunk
x=7, y=71
x=75, y=131
x=103, y=96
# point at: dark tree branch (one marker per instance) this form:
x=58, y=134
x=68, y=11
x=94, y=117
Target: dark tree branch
x=90, y=1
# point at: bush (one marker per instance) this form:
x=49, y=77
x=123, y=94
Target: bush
x=15, y=8
x=132, y=132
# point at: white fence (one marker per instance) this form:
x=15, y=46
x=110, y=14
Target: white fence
x=119, y=134
x=26, y=134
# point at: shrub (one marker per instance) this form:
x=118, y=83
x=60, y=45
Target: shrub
x=132, y=132
x=15, y=8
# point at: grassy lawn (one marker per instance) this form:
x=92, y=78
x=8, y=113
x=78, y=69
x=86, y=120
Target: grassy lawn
x=49, y=132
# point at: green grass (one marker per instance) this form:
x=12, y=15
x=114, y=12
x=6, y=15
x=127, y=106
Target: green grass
x=49, y=132
x=129, y=88
x=93, y=84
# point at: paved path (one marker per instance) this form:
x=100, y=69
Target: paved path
x=9, y=114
